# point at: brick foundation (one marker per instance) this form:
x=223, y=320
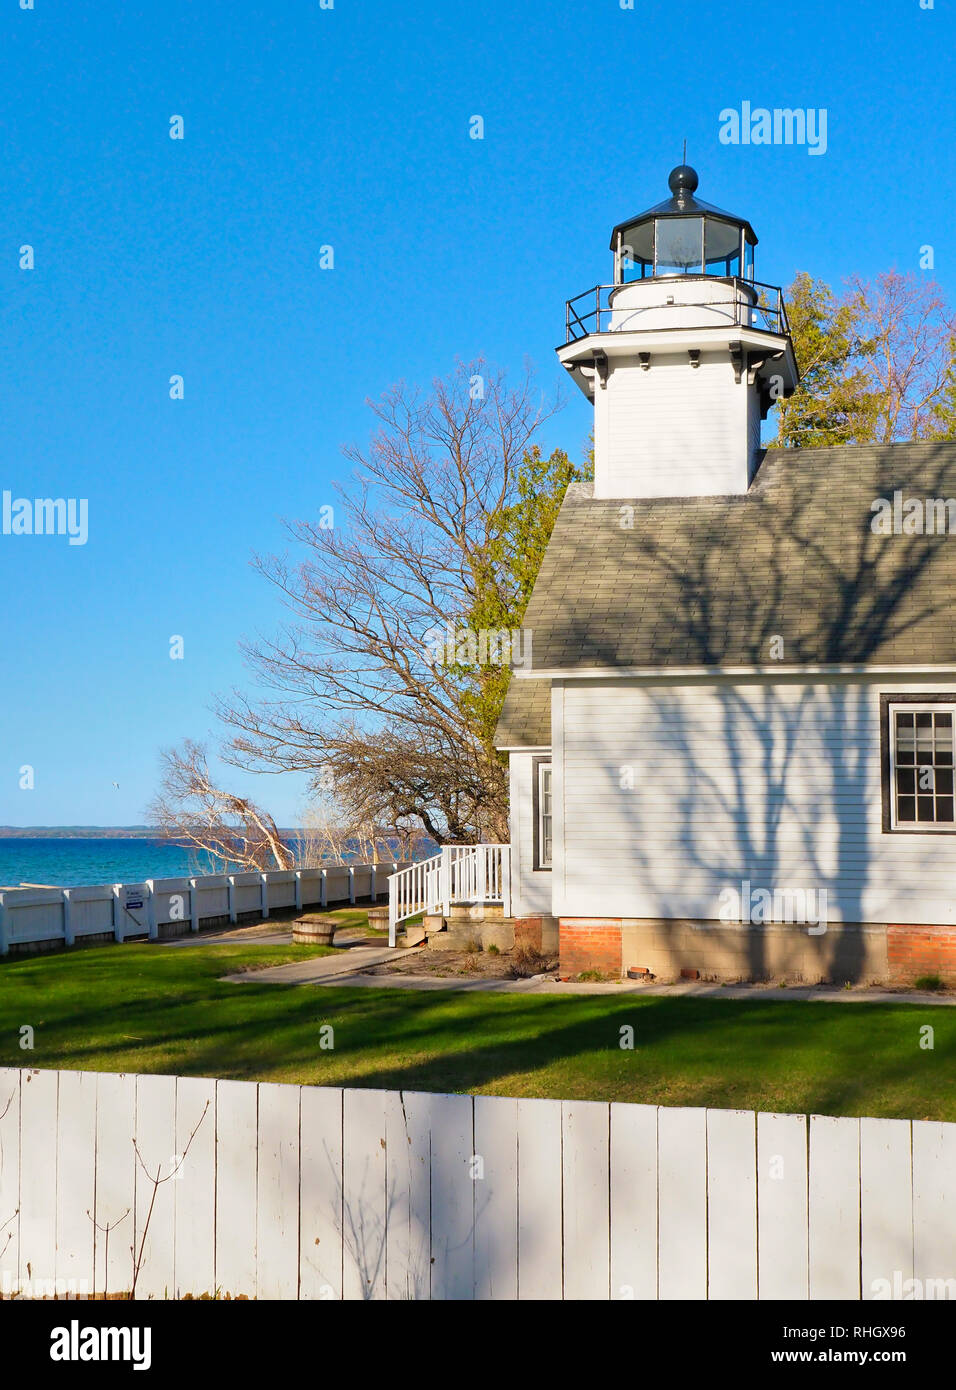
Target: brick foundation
x=921, y=950
x=861, y=953
x=537, y=934
x=590, y=943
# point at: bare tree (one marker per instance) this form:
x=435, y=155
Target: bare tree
x=189, y=809
x=361, y=690
x=907, y=331
x=330, y=835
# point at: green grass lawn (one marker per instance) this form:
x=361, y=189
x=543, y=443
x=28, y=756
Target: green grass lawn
x=162, y=1008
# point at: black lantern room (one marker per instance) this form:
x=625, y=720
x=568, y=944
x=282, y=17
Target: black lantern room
x=683, y=236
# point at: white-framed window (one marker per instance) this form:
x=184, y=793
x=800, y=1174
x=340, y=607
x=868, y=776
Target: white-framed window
x=543, y=814
x=921, y=739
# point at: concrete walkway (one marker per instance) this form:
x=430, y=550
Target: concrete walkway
x=257, y=934
x=319, y=970
x=347, y=970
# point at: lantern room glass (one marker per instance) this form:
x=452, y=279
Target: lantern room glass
x=679, y=246
x=721, y=247
x=662, y=246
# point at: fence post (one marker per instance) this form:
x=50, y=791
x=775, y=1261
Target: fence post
x=298, y=890
x=506, y=880
x=264, y=897
x=324, y=891
x=117, y=912
x=446, y=880
x=352, y=883
x=4, y=939
x=68, y=937
x=152, y=926
x=373, y=886
x=193, y=906
x=231, y=892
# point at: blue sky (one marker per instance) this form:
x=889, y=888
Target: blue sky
x=349, y=127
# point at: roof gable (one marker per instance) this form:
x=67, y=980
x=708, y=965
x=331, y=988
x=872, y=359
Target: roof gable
x=700, y=582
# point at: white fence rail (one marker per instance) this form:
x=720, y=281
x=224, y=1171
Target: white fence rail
x=35, y=915
x=458, y=874
x=315, y=1193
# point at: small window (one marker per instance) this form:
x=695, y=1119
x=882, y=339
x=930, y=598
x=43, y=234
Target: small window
x=918, y=742
x=543, y=815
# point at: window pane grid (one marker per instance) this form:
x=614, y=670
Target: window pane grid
x=923, y=767
x=545, y=819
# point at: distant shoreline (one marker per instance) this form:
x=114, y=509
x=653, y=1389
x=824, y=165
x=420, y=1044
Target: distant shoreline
x=92, y=832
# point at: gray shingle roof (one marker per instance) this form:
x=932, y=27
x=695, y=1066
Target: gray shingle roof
x=708, y=581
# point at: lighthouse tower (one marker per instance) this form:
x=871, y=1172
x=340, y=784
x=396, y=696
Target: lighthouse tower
x=683, y=355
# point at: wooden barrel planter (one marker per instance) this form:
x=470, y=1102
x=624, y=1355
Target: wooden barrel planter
x=378, y=918
x=313, y=931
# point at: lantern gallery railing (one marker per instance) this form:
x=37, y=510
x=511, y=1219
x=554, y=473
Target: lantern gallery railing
x=752, y=305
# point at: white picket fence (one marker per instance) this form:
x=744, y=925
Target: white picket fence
x=319, y=1193
x=32, y=915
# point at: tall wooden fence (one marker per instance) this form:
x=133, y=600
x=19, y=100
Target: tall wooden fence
x=320, y=1193
x=161, y=906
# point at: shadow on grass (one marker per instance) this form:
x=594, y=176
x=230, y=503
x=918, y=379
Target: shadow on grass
x=160, y=1014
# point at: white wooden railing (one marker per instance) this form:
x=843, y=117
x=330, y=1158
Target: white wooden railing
x=458, y=874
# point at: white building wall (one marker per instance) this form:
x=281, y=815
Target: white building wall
x=672, y=430
x=670, y=793
x=530, y=889
x=753, y=431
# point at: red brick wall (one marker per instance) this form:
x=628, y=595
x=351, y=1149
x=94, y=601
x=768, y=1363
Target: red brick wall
x=528, y=933
x=914, y=951
x=590, y=943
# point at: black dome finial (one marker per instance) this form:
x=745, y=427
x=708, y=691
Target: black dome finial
x=682, y=180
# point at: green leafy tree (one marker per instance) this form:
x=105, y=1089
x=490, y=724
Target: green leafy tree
x=833, y=403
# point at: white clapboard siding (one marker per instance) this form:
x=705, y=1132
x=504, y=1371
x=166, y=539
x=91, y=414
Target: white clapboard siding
x=364, y=1201
x=731, y=1204
x=115, y=1182
x=834, y=1207
x=720, y=761
x=408, y=1264
x=496, y=1198
x=934, y=1202
x=783, y=1257
x=682, y=1203
x=321, y=1211
x=194, y=1186
x=674, y=431
x=633, y=1193
x=38, y=1155
x=586, y=1186
x=237, y=1123
x=321, y=1194
x=155, y=1230
x=9, y=1179
x=277, y=1205
x=540, y=1253
x=453, y=1201
x=530, y=888
x=886, y=1207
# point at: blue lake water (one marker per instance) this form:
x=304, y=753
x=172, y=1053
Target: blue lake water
x=66, y=863
x=69, y=863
